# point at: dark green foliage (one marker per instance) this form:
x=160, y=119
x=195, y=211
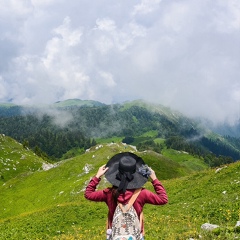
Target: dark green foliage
x=25, y=144
x=234, y=141
x=150, y=145
x=212, y=158
x=180, y=143
x=128, y=140
x=73, y=153
x=10, y=111
x=220, y=148
x=43, y=136
x=129, y=122
x=214, y=161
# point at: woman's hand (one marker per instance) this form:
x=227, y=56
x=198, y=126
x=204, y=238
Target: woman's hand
x=101, y=171
x=152, y=175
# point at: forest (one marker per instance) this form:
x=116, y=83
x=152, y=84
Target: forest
x=42, y=131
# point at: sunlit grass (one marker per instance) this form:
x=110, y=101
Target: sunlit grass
x=50, y=204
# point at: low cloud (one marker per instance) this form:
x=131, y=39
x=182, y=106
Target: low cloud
x=182, y=54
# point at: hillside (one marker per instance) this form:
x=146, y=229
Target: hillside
x=49, y=203
x=75, y=125
x=10, y=109
x=77, y=103
x=16, y=160
x=57, y=183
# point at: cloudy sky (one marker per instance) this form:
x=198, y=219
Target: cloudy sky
x=184, y=54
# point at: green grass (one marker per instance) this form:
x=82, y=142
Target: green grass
x=7, y=105
x=152, y=134
x=109, y=140
x=201, y=198
x=50, y=204
x=77, y=102
x=185, y=159
x=159, y=140
x=190, y=205
x=73, y=153
x=15, y=160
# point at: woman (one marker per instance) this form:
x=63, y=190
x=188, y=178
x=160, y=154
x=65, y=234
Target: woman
x=126, y=172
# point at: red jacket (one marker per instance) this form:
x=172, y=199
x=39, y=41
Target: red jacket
x=145, y=196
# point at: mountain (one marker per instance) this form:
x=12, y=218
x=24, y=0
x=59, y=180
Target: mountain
x=10, y=109
x=77, y=103
x=226, y=129
x=48, y=202
x=77, y=124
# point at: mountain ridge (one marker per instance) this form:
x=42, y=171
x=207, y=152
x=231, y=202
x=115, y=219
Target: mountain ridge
x=77, y=125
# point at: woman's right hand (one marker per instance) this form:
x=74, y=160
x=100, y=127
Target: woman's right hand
x=101, y=171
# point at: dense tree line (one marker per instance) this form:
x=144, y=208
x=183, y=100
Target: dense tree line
x=114, y=120
x=220, y=148
x=150, y=145
x=42, y=133
x=43, y=136
x=10, y=111
x=213, y=153
x=234, y=141
x=182, y=144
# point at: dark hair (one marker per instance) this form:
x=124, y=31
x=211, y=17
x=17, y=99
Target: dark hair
x=115, y=193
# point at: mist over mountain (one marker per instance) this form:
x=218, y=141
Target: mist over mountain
x=58, y=110
x=79, y=124
x=227, y=129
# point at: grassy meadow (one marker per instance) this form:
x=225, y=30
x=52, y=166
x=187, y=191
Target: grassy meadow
x=45, y=201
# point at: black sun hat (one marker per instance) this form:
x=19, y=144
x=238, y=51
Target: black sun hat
x=125, y=171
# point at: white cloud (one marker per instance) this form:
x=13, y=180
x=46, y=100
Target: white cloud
x=107, y=79
x=177, y=16
x=71, y=38
x=43, y=3
x=105, y=24
x=137, y=30
x=226, y=16
x=184, y=54
x=3, y=90
x=109, y=37
x=55, y=73
x=104, y=44
x=146, y=6
x=18, y=8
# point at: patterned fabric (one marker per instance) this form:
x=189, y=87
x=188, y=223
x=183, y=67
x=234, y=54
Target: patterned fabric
x=125, y=225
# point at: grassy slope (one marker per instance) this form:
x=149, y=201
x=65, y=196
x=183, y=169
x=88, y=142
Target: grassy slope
x=50, y=204
x=15, y=160
x=206, y=196
x=7, y=105
x=77, y=102
x=64, y=182
x=185, y=159
x=171, y=114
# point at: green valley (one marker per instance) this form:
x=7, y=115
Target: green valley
x=46, y=201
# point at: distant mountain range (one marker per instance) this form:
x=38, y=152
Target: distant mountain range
x=11, y=109
x=58, y=128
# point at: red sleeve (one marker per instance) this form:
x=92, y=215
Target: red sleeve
x=158, y=198
x=92, y=194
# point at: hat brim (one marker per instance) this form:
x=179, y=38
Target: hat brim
x=138, y=181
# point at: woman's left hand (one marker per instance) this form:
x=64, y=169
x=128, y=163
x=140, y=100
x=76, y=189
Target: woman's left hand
x=101, y=171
